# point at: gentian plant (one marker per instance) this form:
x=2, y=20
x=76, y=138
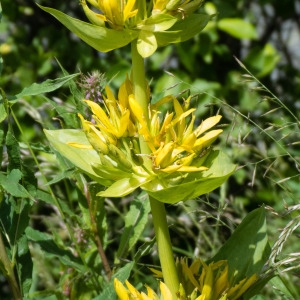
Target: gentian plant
x=127, y=143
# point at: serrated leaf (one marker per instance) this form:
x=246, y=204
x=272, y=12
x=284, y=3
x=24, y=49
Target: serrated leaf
x=247, y=249
x=100, y=38
x=238, y=28
x=135, y=221
x=51, y=249
x=47, y=86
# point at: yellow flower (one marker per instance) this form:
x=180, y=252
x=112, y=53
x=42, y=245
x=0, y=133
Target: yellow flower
x=115, y=12
x=176, y=145
x=176, y=7
x=199, y=281
x=179, y=150
x=131, y=293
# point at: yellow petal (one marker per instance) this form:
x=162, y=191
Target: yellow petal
x=164, y=156
x=207, y=124
x=134, y=292
x=81, y=146
x=192, y=169
x=166, y=293
x=121, y=290
x=206, y=140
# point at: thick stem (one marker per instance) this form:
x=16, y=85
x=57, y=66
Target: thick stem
x=158, y=208
x=139, y=79
x=164, y=246
x=140, y=94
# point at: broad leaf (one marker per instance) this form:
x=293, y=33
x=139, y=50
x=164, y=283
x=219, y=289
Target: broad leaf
x=100, y=38
x=183, y=30
x=124, y=186
x=247, y=249
x=146, y=43
x=238, y=28
x=81, y=158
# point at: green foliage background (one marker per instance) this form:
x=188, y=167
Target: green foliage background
x=261, y=136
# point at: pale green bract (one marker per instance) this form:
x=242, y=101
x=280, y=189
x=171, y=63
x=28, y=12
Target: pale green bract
x=123, y=183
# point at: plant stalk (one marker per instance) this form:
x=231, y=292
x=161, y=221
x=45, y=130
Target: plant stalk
x=7, y=270
x=157, y=208
x=164, y=246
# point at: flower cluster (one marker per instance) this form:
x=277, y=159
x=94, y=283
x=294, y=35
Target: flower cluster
x=179, y=152
x=116, y=23
x=200, y=281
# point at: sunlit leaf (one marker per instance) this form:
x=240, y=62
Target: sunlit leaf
x=100, y=38
x=81, y=158
x=247, y=249
x=123, y=187
x=146, y=43
x=220, y=168
x=238, y=28
x=183, y=30
x=44, y=87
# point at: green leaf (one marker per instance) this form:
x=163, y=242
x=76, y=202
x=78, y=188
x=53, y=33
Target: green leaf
x=13, y=150
x=100, y=38
x=122, y=275
x=81, y=158
x=262, y=61
x=11, y=184
x=51, y=249
x=24, y=264
x=135, y=221
x=45, y=87
x=238, y=28
x=123, y=186
x=159, y=22
x=146, y=43
x=247, y=249
x=183, y=30
x=220, y=168
x=3, y=113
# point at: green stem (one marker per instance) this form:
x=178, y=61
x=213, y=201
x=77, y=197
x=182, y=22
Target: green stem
x=164, y=246
x=157, y=208
x=139, y=79
x=7, y=270
x=140, y=94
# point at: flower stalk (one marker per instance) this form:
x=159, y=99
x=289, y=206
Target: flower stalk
x=164, y=246
x=157, y=208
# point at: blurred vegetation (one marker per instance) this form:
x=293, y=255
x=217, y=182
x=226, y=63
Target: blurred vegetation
x=260, y=119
